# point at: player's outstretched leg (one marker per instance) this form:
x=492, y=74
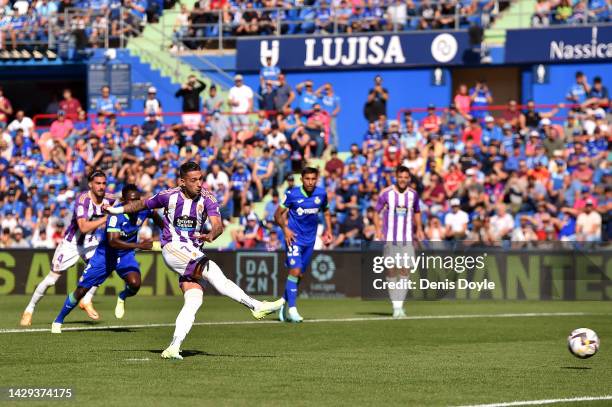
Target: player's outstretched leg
x=184, y=321
x=86, y=304
x=132, y=285
x=213, y=274
x=71, y=301
x=39, y=292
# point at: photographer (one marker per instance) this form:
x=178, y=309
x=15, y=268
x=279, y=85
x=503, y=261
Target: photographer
x=376, y=104
x=190, y=92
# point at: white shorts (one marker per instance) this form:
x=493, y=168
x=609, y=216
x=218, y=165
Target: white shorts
x=67, y=254
x=392, y=249
x=182, y=257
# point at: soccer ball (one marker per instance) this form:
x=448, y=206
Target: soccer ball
x=583, y=343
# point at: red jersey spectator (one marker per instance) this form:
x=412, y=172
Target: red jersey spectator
x=6, y=109
x=431, y=123
x=473, y=132
x=70, y=105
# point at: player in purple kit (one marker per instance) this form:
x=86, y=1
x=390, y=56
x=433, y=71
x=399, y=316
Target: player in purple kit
x=80, y=241
x=398, y=205
x=186, y=209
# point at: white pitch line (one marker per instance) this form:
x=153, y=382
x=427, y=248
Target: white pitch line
x=309, y=321
x=137, y=360
x=541, y=402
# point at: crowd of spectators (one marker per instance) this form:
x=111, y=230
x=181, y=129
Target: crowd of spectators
x=34, y=27
x=521, y=176
x=203, y=22
x=552, y=12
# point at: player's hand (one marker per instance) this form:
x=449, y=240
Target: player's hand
x=289, y=237
x=327, y=237
x=205, y=238
x=146, y=244
x=420, y=235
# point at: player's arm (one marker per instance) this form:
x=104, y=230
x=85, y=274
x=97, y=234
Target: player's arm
x=217, y=229
x=114, y=241
x=280, y=217
x=327, y=234
x=130, y=207
x=158, y=220
x=88, y=226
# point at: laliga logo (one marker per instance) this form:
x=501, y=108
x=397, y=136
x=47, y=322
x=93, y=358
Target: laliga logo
x=444, y=48
x=323, y=267
x=265, y=52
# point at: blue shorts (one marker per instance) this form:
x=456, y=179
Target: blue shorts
x=298, y=256
x=99, y=269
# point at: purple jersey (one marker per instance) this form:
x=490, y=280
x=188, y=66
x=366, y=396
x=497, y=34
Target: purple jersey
x=183, y=217
x=85, y=208
x=397, y=210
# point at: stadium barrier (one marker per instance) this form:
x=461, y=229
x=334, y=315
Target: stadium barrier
x=538, y=274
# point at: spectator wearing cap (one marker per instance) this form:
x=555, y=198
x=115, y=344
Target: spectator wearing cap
x=250, y=235
x=152, y=105
x=453, y=115
x=267, y=95
x=491, y=132
x=456, y=221
x=61, y=127
x=307, y=97
x=70, y=105
x=240, y=100
x=588, y=223
x=240, y=183
x=23, y=123
x=107, y=104
x=480, y=98
x=598, y=96
x=190, y=92
x=18, y=242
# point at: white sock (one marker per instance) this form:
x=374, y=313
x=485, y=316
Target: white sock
x=215, y=276
x=185, y=318
x=397, y=304
x=89, y=295
x=39, y=292
x=402, y=292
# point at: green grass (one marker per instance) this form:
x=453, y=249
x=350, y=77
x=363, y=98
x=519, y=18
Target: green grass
x=384, y=362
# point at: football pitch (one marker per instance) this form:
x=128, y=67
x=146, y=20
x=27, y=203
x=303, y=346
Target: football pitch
x=348, y=352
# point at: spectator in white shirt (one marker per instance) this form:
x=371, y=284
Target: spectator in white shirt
x=502, y=224
x=456, y=221
x=22, y=122
x=240, y=99
x=217, y=178
x=588, y=224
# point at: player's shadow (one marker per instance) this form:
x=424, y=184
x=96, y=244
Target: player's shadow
x=378, y=314
x=82, y=322
x=186, y=353
x=576, y=367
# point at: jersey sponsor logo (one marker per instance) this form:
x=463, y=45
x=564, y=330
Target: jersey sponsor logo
x=401, y=210
x=185, y=223
x=310, y=211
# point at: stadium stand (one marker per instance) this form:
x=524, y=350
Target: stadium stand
x=486, y=173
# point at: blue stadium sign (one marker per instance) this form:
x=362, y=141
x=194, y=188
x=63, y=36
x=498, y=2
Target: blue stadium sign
x=354, y=52
x=566, y=44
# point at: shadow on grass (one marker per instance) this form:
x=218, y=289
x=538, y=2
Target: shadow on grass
x=186, y=353
x=377, y=314
x=82, y=322
x=576, y=367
